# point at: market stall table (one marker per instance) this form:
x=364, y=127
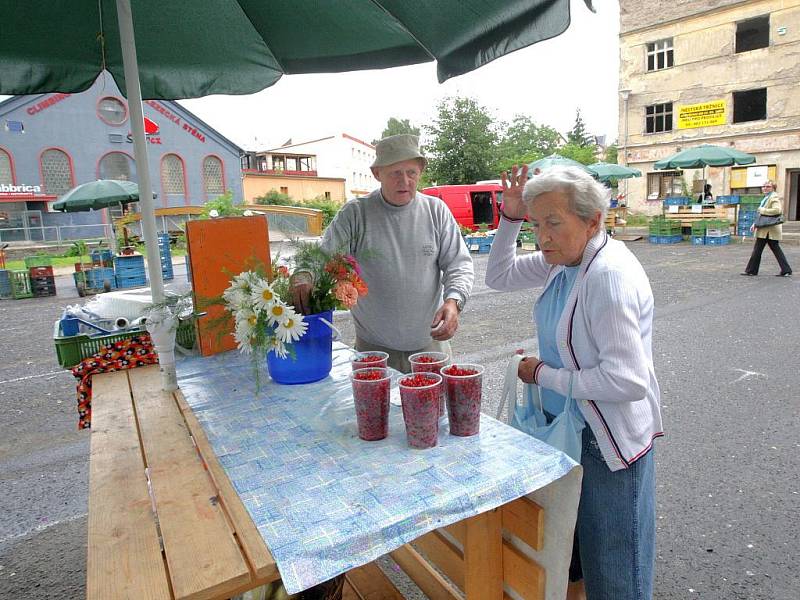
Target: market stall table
x=218, y=489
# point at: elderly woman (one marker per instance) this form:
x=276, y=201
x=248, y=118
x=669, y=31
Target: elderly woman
x=770, y=206
x=594, y=322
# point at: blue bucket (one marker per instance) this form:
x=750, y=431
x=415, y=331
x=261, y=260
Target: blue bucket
x=313, y=354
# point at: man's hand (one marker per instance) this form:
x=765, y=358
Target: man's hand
x=527, y=366
x=513, y=207
x=445, y=321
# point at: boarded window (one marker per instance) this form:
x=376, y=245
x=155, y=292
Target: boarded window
x=658, y=117
x=117, y=165
x=172, y=180
x=6, y=176
x=660, y=55
x=752, y=34
x=750, y=105
x=212, y=176
x=56, y=172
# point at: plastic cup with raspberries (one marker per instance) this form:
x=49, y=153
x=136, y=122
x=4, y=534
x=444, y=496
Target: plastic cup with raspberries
x=419, y=394
x=464, y=383
x=369, y=359
x=430, y=362
x=371, y=389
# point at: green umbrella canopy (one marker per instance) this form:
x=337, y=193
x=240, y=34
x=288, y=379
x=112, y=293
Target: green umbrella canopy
x=706, y=155
x=97, y=195
x=204, y=47
x=605, y=171
x=554, y=160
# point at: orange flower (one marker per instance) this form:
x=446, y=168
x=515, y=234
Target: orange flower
x=346, y=293
x=359, y=284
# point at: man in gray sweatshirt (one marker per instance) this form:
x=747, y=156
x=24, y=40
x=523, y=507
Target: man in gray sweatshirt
x=413, y=258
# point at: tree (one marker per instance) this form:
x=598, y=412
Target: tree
x=612, y=155
x=524, y=142
x=578, y=135
x=395, y=127
x=462, y=145
x=583, y=154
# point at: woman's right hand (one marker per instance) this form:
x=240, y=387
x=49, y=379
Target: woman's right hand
x=513, y=206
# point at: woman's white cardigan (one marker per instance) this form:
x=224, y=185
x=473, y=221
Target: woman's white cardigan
x=604, y=337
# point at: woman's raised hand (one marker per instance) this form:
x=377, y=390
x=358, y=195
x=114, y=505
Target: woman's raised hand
x=513, y=207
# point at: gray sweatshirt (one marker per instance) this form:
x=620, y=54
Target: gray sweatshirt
x=409, y=255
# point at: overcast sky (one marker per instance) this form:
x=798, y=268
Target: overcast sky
x=547, y=81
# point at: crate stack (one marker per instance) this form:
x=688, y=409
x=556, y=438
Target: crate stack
x=5, y=284
x=699, y=232
x=166, y=257
x=718, y=232
x=96, y=278
x=665, y=231
x=43, y=281
x=748, y=211
x=129, y=271
x=102, y=258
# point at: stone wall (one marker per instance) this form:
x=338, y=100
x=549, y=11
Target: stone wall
x=636, y=14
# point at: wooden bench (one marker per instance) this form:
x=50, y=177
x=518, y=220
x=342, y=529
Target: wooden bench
x=165, y=521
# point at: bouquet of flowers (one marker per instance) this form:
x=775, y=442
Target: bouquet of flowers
x=268, y=311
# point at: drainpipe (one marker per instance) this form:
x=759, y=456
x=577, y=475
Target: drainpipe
x=625, y=96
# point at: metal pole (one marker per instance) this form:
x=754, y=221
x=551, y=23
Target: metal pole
x=131, y=65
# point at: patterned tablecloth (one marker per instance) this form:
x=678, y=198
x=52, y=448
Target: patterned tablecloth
x=325, y=501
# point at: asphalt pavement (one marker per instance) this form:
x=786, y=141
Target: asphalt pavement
x=727, y=355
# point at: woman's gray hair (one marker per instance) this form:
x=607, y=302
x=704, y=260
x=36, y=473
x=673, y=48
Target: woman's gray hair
x=586, y=196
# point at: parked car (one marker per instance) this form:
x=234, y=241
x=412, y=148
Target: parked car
x=472, y=205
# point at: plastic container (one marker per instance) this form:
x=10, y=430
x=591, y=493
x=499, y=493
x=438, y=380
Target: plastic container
x=464, y=394
x=421, y=409
x=313, y=354
x=374, y=359
x=431, y=362
x=371, y=389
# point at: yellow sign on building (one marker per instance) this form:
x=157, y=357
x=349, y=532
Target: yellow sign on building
x=706, y=114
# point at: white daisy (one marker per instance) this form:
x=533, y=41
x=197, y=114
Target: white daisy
x=263, y=296
x=277, y=312
x=291, y=328
x=244, y=340
x=248, y=316
x=278, y=347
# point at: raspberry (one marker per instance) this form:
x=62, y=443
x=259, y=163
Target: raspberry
x=417, y=380
x=368, y=358
x=425, y=359
x=456, y=372
x=369, y=376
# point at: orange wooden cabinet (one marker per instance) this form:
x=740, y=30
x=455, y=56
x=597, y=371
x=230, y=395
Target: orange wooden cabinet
x=218, y=250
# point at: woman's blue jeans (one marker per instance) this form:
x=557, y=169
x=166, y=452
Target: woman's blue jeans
x=616, y=528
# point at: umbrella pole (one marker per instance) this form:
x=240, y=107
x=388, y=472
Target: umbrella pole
x=131, y=65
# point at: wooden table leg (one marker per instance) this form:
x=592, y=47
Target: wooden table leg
x=483, y=557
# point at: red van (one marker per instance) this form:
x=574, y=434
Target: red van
x=471, y=205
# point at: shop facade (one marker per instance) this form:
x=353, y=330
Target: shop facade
x=50, y=143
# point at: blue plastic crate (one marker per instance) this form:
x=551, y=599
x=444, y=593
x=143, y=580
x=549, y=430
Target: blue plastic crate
x=698, y=240
x=718, y=241
x=733, y=199
x=128, y=282
x=481, y=245
x=677, y=201
x=5, y=284
x=666, y=239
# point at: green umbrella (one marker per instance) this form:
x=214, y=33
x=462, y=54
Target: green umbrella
x=554, y=160
x=96, y=195
x=607, y=171
x=706, y=155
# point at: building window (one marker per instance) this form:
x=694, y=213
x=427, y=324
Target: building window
x=752, y=34
x=213, y=183
x=327, y=195
x=284, y=190
x=112, y=111
x=117, y=165
x=659, y=55
x=6, y=174
x=750, y=105
x=658, y=117
x=664, y=184
x=172, y=180
x=15, y=127
x=56, y=172
x=278, y=163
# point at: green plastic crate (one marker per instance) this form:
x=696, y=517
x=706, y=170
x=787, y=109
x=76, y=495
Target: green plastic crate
x=70, y=350
x=700, y=227
x=20, y=284
x=39, y=261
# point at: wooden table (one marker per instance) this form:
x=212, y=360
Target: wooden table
x=686, y=215
x=165, y=522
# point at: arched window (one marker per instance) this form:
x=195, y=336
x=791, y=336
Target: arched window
x=6, y=174
x=172, y=178
x=56, y=172
x=112, y=110
x=213, y=182
x=117, y=165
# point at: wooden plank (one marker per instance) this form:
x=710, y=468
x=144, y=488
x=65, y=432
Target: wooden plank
x=432, y=584
x=256, y=551
x=524, y=575
x=458, y=531
x=442, y=553
x=370, y=583
x=483, y=557
x=202, y=554
x=123, y=555
x=525, y=519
